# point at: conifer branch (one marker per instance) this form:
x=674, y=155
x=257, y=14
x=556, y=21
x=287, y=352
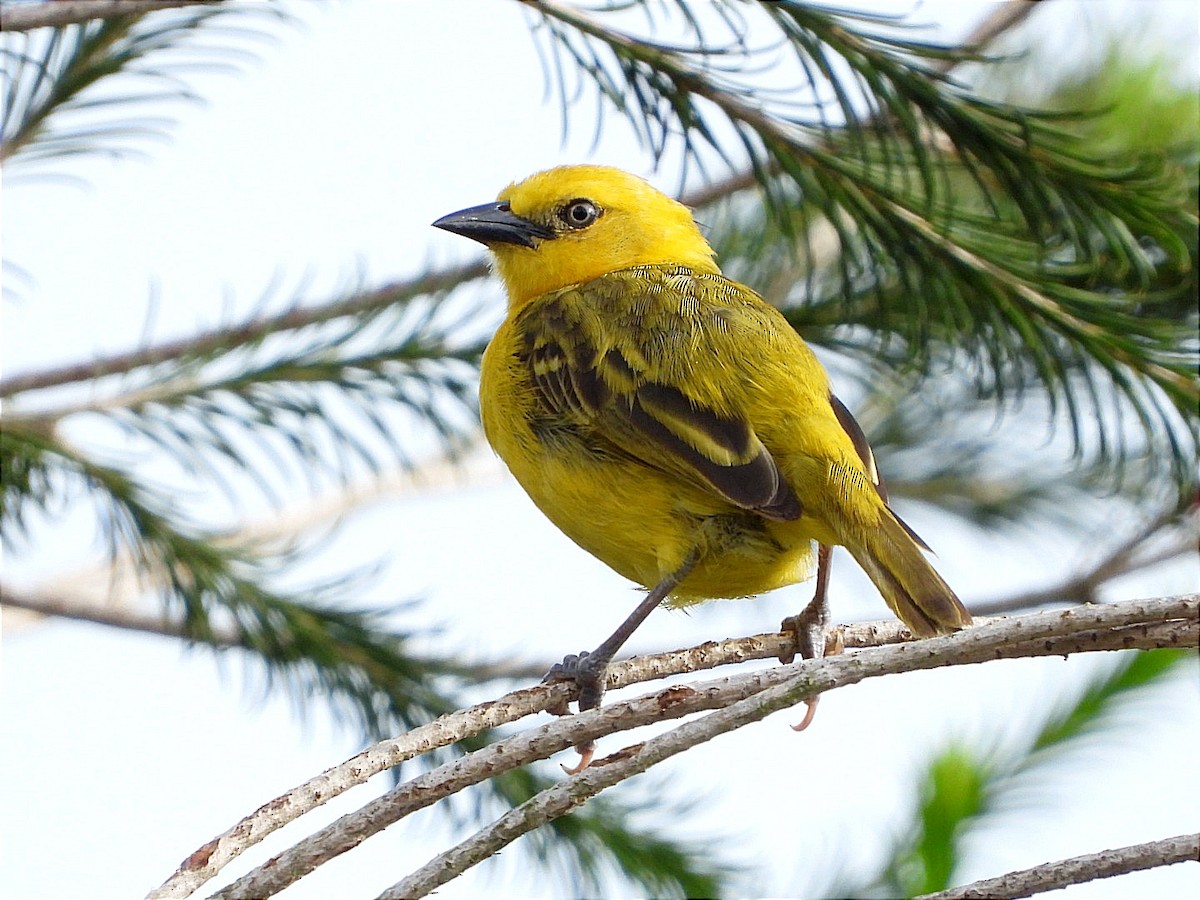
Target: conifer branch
x=1003, y=18
x=214, y=340
x=52, y=108
x=982, y=226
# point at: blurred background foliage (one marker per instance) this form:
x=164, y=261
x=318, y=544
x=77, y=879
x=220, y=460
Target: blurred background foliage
x=966, y=787
x=991, y=258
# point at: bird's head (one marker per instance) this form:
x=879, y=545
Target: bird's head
x=571, y=224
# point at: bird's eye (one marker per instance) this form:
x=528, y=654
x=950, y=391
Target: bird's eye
x=579, y=213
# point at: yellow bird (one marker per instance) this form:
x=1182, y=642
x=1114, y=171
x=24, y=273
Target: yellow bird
x=669, y=420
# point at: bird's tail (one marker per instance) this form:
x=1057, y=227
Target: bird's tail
x=891, y=555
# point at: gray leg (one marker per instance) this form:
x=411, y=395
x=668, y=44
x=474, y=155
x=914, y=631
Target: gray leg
x=810, y=627
x=589, y=669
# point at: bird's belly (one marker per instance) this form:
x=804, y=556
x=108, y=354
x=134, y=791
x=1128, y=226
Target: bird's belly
x=644, y=524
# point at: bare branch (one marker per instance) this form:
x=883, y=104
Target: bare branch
x=1167, y=622
x=58, y=13
x=778, y=689
x=1004, y=17
x=1077, y=870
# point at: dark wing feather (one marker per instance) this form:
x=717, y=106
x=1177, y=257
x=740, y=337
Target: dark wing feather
x=724, y=452
x=581, y=376
x=859, y=439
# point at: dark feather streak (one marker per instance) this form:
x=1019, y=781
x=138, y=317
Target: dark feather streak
x=755, y=485
x=859, y=439
x=665, y=401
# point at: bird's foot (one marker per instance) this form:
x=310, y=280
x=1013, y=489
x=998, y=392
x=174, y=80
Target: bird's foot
x=588, y=671
x=809, y=629
x=813, y=642
x=586, y=752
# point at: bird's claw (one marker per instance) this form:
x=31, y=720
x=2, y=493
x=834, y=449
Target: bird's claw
x=586, y=752
x=567, y=669
x=588, y=675
x=813, y=642
x=587, y=671
x=809, y=629
x=809, y=714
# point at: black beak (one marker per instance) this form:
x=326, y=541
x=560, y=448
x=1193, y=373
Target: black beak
x=494, y=223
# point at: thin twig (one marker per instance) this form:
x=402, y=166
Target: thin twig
x=784, y=687
x=1077, y=870
x=1132, y=624
x=58, y=13
x=66, y=606
x=1004, y=17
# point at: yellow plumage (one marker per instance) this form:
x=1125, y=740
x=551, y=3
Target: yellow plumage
x=667, y=419
x=624, y=499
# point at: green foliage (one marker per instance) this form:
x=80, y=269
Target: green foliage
x=963, y=790
x=1101, y=699
x=59, y=100
x=954, y=793
x=26, y=484
x=1137, y=106
x=951, y=221
x=326, y=398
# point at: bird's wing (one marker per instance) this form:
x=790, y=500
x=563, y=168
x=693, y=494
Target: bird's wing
x=867, y=455
x=595, y=355
x=859, y=439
